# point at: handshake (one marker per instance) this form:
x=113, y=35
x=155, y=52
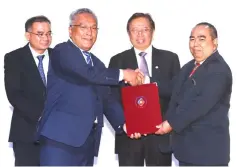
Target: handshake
x=133, y=77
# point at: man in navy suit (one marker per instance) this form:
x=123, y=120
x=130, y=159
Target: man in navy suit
x=198, y=111
x=78, y=94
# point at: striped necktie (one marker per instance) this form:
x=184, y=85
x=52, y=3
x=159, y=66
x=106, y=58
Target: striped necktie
x=194, y=69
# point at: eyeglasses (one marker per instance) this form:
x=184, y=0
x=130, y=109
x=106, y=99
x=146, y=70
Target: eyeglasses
x=85, y=28
x=143, y=31
x=41, y=35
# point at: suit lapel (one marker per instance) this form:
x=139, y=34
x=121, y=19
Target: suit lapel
x=31, y=67
x=184, y=77
x=156, y=62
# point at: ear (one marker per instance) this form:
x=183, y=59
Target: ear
x=70, y=31
x=153, y=33
x=215, y=41
x=27, y=36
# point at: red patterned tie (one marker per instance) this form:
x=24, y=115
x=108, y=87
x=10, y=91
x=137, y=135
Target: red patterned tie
x=194, y=69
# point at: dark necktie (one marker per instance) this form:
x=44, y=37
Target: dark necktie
x=143, y=64
x=194, y=69
x=88, y=58
x=98, y=116
x=41, y=68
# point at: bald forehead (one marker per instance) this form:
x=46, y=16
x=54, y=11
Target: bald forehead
x=201, y=30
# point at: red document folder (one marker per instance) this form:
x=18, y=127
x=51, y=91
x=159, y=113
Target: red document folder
x=141, y=106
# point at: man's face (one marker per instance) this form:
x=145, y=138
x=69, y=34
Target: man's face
x=201, y=44
x=140, y=33
x=39, y=36
x=84, y=34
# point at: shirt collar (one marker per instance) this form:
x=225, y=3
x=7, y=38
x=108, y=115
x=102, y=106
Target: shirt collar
x=205, y=59
x=35, y=54
x=147, y=50
x=77, y=46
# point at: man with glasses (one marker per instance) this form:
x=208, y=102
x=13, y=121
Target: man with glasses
x=25, y=83
x=77, y=97
x=157, y=65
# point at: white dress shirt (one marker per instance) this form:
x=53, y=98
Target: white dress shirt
x=45, y=60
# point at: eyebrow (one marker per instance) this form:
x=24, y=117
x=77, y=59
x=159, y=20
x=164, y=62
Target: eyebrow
x=43, y=31
x=200, y=36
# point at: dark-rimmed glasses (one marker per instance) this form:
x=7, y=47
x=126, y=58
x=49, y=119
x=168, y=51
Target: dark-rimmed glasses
x=41, y=35
x=84, y=28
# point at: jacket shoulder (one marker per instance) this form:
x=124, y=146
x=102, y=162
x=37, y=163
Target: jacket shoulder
x=121, y=55
x=165, y=52
x=16, y=53
x=61, y=46
x=218, y=65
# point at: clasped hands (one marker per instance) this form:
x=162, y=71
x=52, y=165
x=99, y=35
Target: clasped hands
x=133, y=77
x=163, y=128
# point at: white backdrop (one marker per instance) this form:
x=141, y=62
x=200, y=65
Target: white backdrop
x=174, y=21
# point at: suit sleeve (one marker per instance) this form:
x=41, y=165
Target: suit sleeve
x=70, y=65
x=14, y=92
x=114, y=112
x=115, y=90
x=200, y=103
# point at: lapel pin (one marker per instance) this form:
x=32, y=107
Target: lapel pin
x=193, y=81
x=156, y=67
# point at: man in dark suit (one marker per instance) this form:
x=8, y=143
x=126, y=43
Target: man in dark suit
x=25, y=88
x=159, y=65
x=78, y=94
x=198, y=111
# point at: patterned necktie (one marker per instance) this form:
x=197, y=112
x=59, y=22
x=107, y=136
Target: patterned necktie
x=88, y=57
x=41, y=69
x=98, y=116
x=194, y=69
x=143, y=64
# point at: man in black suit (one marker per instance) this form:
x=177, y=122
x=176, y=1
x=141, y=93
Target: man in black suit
x=25, y=80
x=157, y=65
x=199, y=106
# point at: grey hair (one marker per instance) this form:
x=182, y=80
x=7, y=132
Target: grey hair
x=79, y=11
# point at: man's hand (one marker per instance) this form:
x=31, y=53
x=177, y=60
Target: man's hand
x=140, y=76
x=133, y=136
x=133, y=77
x=163, y=128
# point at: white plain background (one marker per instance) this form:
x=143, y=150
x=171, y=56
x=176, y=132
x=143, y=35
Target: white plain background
x=174, y=21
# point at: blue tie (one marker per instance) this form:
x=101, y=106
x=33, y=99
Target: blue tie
x=98, y=116
x=41, y=69
x=88, y=57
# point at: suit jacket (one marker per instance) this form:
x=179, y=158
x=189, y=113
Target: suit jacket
x=168, y=66
x=198, y=113
x=25, y=91
x=77, y=94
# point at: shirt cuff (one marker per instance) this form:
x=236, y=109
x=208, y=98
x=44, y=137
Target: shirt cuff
x=120, y=75
x=147, y=79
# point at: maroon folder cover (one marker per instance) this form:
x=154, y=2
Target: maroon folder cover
x=141, y=106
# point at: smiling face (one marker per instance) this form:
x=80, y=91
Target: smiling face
x=84, y=31
x=39, y=36
x=140, y=33
x=201, y=43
